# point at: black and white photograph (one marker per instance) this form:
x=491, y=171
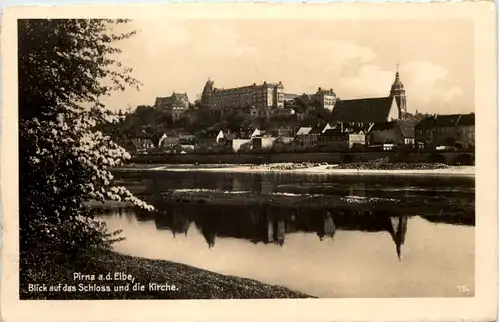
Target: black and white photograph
x=205, y=158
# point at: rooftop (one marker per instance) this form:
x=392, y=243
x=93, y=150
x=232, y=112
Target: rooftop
x=448, y=120
x=365, y=110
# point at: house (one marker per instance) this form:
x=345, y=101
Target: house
x=225, y=138
x=396, y=132
x=249, y=140
x=256, y=133
x=186, y=137
x=239, y=142
x=219, y=137
x=446, y=130
x=207, y=139
x=187, y=147
x=264, y=142
x=317, y=131
x=139, y=145
x=242, y=140
x=168, y=141
x=309, y=135
x=303, y=131
x=175, y=105
x=326, y=98
x=336, y=139
x=285, y=132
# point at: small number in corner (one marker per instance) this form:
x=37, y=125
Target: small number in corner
x=463, y=288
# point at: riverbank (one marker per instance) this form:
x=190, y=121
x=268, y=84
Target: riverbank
x=446, y=157
x=161, y=280
x=467, y=171
x=320, y=202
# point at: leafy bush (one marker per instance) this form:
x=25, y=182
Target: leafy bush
x=65, y=66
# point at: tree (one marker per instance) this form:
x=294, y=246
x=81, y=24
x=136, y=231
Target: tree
x=64, y=68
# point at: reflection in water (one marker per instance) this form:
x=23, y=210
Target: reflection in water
x=270, y=225
x=398, y=232
x=368, y=186
x=326, y=250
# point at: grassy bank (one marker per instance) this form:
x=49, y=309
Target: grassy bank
x=415, y=206
x=189, y=282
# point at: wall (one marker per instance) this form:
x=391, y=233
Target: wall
x=267, y=142
x=237, y=143
x=332, y=158
x=356, y=139
x=394, y=112
x=466, y=134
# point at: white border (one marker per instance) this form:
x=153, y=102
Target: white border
x=481, y=307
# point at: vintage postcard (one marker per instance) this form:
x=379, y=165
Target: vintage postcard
x=308, y=162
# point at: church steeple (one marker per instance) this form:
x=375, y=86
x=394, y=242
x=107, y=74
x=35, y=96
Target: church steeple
x=398, y=93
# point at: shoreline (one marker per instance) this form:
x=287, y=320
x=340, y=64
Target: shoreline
x=464, y=171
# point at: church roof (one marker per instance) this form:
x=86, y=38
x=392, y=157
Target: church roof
x=365, y=110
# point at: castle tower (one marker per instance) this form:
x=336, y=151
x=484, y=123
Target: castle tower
x=399, y=94
x=207, y=93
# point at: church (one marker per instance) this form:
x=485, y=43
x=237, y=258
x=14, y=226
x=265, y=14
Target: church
x=364, y=112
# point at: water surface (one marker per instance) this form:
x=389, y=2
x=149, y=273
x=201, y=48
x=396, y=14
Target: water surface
x=325, y=252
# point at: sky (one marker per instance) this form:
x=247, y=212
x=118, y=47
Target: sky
x=357, y=59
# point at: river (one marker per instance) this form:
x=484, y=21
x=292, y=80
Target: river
x=324, y=252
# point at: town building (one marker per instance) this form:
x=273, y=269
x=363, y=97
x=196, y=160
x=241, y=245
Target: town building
x=326, y=98
x=365, y=112
x=186, y=137
x=138, y=145
x=175, y=105
x=207, y=139
x=168, y=140
x=267, y=113
x=398, y=133
x=303, y=131
x=447, y=130
x=289, y=97
x=267, y=95
x=307, y=136
x=338, y=140
x=317, y=131
x=245, y=140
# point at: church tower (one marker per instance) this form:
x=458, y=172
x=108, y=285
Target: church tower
x=398, y=93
